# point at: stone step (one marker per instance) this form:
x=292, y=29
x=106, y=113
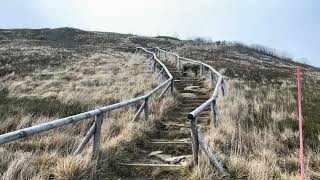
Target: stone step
x=182, y=120
x=175, y=149
x=195, y=100
x=185, y=113
x=194, y=96
x=137, y=164
x=185, y=119
x=181, y=87
x=182, y=81
x=190, y=104
x=168, y=158
x=167, y=141
x=176, y=124
x=167, y=133
x=190, y=109
x=173, y=126
x=187, y=88
x=191, y=91
x=188, y=83
x=199, y=84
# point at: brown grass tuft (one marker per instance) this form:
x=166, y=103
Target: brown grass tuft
x=72, y=168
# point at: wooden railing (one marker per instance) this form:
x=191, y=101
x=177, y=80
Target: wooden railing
x=197, y=138
x=95, y=130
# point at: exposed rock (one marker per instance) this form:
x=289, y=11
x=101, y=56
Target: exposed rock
x=192, y=88
x=185, y=130
x=155, y=153
x=172, y=159
x=185, y=140
x=164, y=157
x=188, y=95
x=177, y=159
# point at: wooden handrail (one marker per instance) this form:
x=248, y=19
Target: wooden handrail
x=96, y=127
x=197, y=139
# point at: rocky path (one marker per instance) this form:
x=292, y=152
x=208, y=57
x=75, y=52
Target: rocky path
x=165, y=151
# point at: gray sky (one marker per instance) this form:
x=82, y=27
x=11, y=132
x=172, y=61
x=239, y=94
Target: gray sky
x=291, y=26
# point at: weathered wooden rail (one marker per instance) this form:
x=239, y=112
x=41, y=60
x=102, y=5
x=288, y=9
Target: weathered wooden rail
x=197, y=138
x=95, y=130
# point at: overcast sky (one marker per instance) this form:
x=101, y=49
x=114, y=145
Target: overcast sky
x=291, y=26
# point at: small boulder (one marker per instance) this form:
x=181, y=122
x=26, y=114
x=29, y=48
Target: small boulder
x=188, y=95
x=155, y=153
x=192, y=88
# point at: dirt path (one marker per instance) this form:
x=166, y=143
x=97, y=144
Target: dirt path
x=166, y=149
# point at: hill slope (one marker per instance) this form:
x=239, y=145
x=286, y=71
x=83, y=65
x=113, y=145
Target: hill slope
x=259, y=111
x=258, y=136
x=53, y=73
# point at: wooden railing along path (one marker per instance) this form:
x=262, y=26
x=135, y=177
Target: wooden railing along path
x=95, y=131
x=217, y=82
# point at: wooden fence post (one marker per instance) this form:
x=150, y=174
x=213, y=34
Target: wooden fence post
x=201, y=70
x=195, y=140
x=172, y=87
x=136, y=116
x=150, y=60
x=214, y=114
x=212, y=158
x=85, y=140
x=223, y=88
x=146, y=109
x=160, y=72
x=179, y=63
x=97, y=136
x=162, y=75
x=212, y=78
x=165, y=89
x=154, y=65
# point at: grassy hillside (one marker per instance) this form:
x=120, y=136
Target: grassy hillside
x=46, y=74
x=258, y=136
x=53, y=73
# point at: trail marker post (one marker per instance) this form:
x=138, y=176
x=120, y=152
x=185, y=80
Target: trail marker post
x=300, y=125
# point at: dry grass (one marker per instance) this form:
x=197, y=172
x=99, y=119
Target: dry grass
x=253, y=141
x=258, y=136
x=97, y=79
x=79, y=85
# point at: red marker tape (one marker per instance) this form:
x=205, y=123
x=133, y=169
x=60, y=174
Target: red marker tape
x=300, y=126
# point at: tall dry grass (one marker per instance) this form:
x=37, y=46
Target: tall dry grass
x=254, y=139
x=99, y=80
